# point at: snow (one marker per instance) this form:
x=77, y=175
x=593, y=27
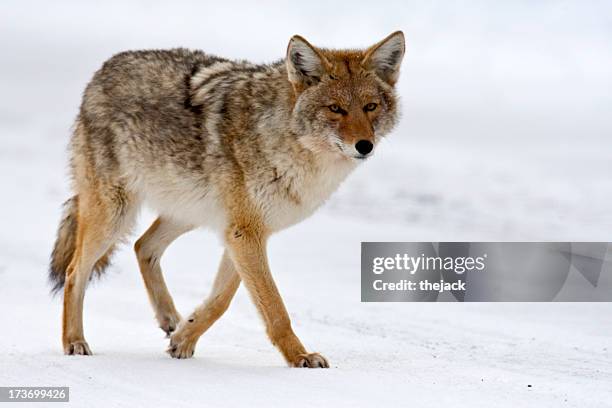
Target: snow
x=505, y=136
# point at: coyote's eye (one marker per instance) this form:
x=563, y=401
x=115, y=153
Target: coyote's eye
x=336, y=109
x=370, y=107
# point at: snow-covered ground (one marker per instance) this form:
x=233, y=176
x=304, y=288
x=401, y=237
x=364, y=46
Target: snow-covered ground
x=505, y=136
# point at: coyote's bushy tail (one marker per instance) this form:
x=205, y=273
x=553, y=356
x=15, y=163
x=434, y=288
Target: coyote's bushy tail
x=65, y=245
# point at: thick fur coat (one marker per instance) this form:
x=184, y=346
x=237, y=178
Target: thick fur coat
x=243, y=149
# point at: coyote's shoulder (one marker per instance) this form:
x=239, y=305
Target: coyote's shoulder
x=246, y=149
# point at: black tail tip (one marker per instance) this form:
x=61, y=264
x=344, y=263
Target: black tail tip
x=56, y=280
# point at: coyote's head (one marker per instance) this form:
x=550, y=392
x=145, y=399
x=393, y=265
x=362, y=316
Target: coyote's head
x=345, y=99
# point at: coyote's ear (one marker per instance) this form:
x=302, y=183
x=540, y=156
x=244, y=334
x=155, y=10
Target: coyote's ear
x=305, y=64
x=385, y=57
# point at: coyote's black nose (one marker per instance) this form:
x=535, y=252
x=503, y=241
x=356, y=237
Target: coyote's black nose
x=364, y=146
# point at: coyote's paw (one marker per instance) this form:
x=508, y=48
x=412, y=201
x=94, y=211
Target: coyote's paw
x=79, y=347
x=180, y=346
x=169, y=322
x=311, y=360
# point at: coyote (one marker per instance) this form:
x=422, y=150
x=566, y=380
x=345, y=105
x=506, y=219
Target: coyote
x=244, y=149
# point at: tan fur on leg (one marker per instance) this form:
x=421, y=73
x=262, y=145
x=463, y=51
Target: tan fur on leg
x=182, y=343
x=149, y=250
x=101, y=222
x=246, y=244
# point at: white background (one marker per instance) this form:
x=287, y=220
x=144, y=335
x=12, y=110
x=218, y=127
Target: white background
x=506, y=135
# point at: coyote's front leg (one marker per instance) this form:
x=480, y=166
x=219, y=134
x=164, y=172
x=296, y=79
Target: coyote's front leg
x=246, y=244
x=183, y=341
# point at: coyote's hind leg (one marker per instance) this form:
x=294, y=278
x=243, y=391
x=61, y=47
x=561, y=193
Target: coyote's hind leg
x=149, y=250
x=104, y=214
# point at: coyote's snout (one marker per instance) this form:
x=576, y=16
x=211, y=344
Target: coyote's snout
x=242, y=148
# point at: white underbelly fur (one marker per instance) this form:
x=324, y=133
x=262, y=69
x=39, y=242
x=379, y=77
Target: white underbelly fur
x=202, y=206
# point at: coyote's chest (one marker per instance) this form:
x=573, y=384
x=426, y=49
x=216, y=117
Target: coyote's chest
x=292, y=194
